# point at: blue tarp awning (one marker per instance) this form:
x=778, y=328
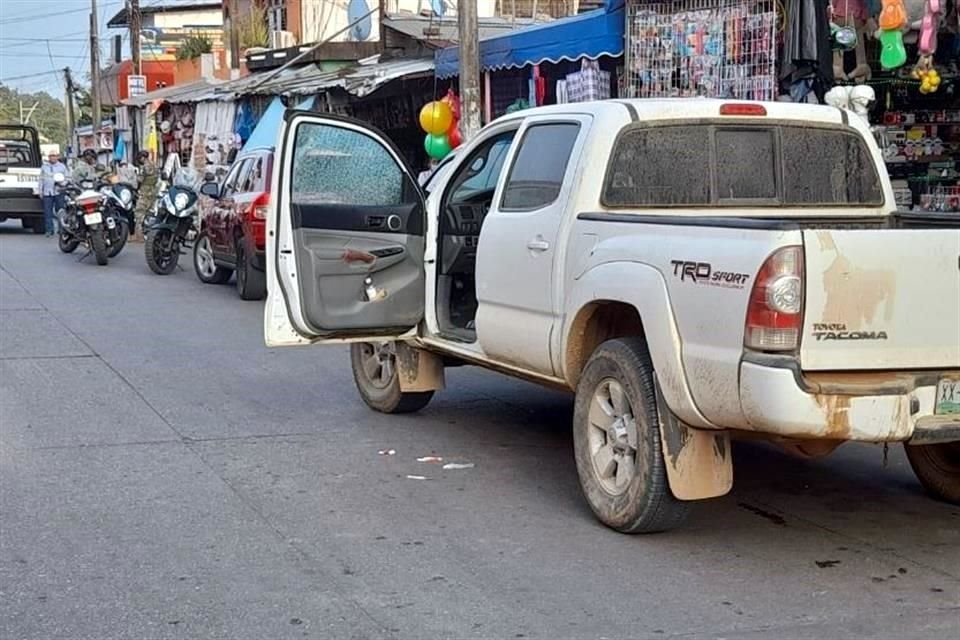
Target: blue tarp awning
x=264, y=134
x=591, y=35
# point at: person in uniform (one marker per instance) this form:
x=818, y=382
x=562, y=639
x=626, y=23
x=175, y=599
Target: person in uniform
x=147, y=192
x=87, y=169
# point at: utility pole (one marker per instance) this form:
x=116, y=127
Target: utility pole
x=469, y=69
x=234, y=36
x=68, y=103
x=133, y=12
x=95, y=67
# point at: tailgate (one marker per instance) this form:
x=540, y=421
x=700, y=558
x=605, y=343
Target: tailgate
x=881, y=299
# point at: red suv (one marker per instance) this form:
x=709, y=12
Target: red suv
x=232, y=234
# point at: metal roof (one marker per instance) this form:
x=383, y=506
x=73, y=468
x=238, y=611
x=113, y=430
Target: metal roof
x=446, y=29
x=198, y=91
x=122, y=19
x=359, y=80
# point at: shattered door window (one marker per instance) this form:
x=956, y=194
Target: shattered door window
x=335, y=165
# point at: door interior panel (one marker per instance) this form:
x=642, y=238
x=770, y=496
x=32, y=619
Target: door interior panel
x=334, y=265
x=404, y=219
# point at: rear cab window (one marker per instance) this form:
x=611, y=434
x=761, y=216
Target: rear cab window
x=536, y=176
x=741, y=165
x=19, y=147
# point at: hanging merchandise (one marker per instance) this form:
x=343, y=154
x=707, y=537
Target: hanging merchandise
x=712, y=48
x=437, y=147
x=436, y=117
x=927, y=46
x=588, y=84
x=848, y=33
x=893, y=17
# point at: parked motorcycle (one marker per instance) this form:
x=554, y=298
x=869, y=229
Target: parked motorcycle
x=92, y=216
x=120, y=203
x=172, y=222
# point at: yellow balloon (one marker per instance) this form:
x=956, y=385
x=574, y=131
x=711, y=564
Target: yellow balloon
x=436, y=117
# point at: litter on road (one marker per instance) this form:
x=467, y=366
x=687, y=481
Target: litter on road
x=416, y=477
x=430, y=459
x=458, y=465
x=387, y=452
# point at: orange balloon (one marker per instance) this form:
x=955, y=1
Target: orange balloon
x=436, y=117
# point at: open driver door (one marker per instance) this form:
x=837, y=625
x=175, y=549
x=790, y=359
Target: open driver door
x=345, y=239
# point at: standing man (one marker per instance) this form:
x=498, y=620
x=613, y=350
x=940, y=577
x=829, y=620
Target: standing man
x=147, y=192
x=87, y=168
x=52, y=200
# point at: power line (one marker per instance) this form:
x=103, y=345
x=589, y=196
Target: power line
x=29, y=18
x=28, y=75
x=60, y=38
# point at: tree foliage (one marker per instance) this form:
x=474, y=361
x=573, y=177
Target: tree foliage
x=194, y=46
x=50, y=117
x=252, y=27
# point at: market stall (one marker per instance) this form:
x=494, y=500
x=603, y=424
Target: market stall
x=573, y=59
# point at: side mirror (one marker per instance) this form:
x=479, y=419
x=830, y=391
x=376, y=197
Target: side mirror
x=59, y=178
x=211, y=189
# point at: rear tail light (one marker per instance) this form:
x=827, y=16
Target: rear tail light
x=775, y=311
x=260, y=207
x=742, y=109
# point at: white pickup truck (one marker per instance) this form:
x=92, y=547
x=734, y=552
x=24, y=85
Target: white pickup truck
x=693, y=270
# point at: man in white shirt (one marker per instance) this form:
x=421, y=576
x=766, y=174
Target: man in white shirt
x=52, y=200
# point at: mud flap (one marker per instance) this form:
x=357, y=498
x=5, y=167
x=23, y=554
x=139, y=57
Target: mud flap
x=699, y=462
x=419, y=370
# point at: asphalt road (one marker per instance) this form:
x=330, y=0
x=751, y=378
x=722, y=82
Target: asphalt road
x=164, y=475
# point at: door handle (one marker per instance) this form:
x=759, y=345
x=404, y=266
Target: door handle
x=538, y=244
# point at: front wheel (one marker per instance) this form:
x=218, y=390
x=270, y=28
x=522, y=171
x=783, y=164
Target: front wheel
x=98, y=242
x=616, y=441
x=161, y=252
x=937, y=466
x=67, y=242
x=121, y=234
x=375, y=374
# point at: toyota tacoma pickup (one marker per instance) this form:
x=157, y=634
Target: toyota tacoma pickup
x=20, y=176
x=692, y=270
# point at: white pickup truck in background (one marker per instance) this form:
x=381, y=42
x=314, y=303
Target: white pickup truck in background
x=20, y=163
x=692, y=270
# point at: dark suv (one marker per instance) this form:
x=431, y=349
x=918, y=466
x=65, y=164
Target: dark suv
x=232, y=234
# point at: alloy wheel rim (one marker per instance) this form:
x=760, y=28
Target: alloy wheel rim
x=379, y=363
x=612, y=437
x=205, y=257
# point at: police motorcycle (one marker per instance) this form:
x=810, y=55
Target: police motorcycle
x=95, y=215
x=173, y=218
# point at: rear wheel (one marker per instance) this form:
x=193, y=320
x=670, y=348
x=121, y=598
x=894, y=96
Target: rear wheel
x=937, y=466
x=616, y=441
x=204, y=264
x=38, y=226
x=98, y=243
x=120, y=236
x=161, y=254
x=67, y=242
x=251, y=282
x=375, y=374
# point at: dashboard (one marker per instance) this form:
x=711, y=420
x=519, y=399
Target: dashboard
x=461, y=232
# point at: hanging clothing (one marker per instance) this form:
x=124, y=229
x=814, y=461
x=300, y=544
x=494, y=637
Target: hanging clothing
x=806, y=49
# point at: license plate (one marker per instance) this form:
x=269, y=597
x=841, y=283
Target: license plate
x=93, y=218
x=948, y=396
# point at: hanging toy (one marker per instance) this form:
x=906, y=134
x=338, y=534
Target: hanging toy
x=926, y=46
x=436, y=117
x=893, y=17
x=436, y=146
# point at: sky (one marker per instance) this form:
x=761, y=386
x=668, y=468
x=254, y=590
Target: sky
x=29, y=27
